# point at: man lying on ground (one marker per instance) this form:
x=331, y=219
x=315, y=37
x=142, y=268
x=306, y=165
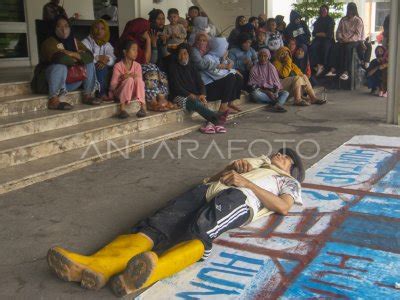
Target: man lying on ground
x=244, y=191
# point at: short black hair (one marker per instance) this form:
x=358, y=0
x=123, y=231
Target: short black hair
x=194, y=7
x=270, y=20
x=173, y=11
x=252, y=19
x=244, y=37
x=128, y=44
x=183, y=46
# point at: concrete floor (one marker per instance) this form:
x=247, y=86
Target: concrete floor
x=87, y=208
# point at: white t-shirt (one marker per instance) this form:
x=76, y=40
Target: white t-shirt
x=277, y=185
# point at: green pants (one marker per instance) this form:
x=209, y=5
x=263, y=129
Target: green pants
x=195, y=105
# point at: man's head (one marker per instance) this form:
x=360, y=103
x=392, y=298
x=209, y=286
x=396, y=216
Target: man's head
x=194, y=11
x=289, y=161
x=324, y=10
x=57, y=2
x=106, y=3
x=183, y=54
x=173, y=16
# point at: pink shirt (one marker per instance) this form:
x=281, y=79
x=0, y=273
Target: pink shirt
x=119, y=72
x=350, y=30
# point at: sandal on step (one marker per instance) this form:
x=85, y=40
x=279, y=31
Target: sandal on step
x=302, y=103
x=208, y=129
x=141, y=113
x=57, y=105
x=123, y=114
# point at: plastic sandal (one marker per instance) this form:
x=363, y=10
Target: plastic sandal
x=208, y=129
x=302, y=103
x=220, y=129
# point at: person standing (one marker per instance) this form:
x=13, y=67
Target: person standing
x=52, y=10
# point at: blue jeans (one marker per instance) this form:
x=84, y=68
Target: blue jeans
x=56, y=76
x=261, y=97
x=102, y=78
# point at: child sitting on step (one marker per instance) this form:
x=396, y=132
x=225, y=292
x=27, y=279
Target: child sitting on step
x=127, y=81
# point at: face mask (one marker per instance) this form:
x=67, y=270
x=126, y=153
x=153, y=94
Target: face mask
x=63, y=34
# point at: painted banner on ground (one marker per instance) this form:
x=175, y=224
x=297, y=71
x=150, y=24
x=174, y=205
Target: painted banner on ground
x=344, y=242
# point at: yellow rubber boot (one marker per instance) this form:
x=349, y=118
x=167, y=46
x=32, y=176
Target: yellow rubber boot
x=147, y=268
x=95, y=270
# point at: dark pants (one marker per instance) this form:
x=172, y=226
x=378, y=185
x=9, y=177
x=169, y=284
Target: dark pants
x=102, y=76
x=195, y=105
x=345, y=59
x=320, y=51
x=224, y=89
x=189, y=216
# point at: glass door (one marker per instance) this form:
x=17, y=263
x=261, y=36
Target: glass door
x=13, y=34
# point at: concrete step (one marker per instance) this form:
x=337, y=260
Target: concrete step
x=10, y=89
x=27, y=103
x=30, y=123
x=27, y=148
x=19, y=176
x=31, y=147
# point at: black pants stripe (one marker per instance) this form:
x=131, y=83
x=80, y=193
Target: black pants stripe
x=190, y=216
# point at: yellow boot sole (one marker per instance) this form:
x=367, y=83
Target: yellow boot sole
x=138, y=270
x=68, y=270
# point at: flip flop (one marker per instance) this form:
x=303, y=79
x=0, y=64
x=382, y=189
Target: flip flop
x=319, y=102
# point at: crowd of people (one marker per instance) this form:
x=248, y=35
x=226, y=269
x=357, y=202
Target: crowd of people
x=185, y=64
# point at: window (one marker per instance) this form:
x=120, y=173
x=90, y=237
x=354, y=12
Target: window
x=12, y=11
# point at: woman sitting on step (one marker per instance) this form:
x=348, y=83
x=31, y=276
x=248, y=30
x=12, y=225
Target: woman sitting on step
x=65, y=65
x=187, y=90
x=222, y=82
x=103, y=52
x=293, y=80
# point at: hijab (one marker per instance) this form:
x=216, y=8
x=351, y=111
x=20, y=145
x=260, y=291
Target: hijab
x=218, y=46
x=133, y=31
x=69, y=42
x=93, y=32
x=200, y=24
x=265, y=75
x=302, y=63
x=202, y=47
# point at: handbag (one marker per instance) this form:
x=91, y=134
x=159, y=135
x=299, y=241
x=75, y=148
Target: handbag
x=76, y=72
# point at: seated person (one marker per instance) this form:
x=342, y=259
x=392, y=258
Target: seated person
x=175, y=32
x=188, y=91
x=127, y=81
x=98, y=43
x=293, y=80
x=323, y=42
x=156, y=82
x=53, y=74
x=350, y=35
x=254, y=22
x=377, y=72
x=298, y=29
x=301, y=59
x=221, y=80
x=193, y=12
x=280, y=24
x=243, y=56
x=244, y=191
x=233, y=36
x=273, y=39
x=259, y=43
x=265, y=84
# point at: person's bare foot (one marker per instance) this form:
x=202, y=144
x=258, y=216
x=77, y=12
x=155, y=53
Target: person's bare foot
x=234, y=107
